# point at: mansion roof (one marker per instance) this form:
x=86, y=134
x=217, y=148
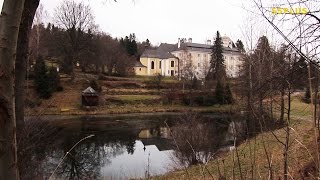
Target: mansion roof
x=164, y=51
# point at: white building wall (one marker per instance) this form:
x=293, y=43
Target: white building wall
x=232, y=62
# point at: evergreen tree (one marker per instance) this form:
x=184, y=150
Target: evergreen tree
x=134, y=48
x=240, y=46
x=148, y=44
x=130, y=44
x=228, y=95
x=53, y=79
x=41, y=79
x=194, y=84
x=94, y=84
x=219, y=94
x=217, y=69
x=233, y=45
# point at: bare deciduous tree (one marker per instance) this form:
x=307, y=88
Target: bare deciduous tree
x=75, y=18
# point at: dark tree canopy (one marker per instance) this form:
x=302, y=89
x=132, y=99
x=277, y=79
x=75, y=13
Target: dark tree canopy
x=217, y=69
x=240, y=46
x=130, y=44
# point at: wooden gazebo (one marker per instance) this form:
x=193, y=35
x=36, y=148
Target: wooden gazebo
x=90, y=97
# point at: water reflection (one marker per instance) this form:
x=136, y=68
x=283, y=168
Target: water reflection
x=124, y=149
x=142, y=163
x=115, y=154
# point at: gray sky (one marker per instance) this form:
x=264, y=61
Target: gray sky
x=167, y=20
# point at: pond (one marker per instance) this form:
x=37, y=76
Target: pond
x=126, y=147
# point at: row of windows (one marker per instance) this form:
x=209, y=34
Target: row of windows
x=152, y=64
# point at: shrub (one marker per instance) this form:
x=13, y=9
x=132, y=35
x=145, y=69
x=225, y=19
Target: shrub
x=41, y=79
x=307, y=97
x=54, y=79
x=209, y=101
x=95, y=85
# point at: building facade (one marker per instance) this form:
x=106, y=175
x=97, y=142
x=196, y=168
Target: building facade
x=188, y=59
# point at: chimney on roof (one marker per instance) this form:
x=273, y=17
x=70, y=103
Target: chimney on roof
x=179, y=42
x=190, y=40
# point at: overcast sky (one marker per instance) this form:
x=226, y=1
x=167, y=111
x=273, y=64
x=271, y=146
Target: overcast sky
x=166, y=20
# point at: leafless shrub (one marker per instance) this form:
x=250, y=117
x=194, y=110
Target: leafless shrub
x=197, y=140
x=37, y=138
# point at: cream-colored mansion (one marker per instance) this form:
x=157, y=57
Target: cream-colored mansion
x=185, y=57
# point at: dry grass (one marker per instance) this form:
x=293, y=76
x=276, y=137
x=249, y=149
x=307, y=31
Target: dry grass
x=128, y=100
x=300, y=153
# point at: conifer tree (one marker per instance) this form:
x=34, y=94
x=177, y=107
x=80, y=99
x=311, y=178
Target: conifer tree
x=53, y=79
x=41, y=79
x=240, y=46
x=219, y=94
x=217, y=61
x=228, y=94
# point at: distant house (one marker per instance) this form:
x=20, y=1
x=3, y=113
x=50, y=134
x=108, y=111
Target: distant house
x=90, y=97
x=160, y=61
x=173, y=59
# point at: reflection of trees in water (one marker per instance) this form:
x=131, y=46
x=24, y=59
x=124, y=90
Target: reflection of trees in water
x=44, y=146
x=198, y=138
x=35, y=141
x=86, y=159
x=81, y=163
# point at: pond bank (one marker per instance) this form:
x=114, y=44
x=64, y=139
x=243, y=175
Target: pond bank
x=132, y=110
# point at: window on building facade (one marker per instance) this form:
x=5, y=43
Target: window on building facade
x=198, y=64
x=152, y=64
x=205, y=57
x=172, y=63
x=159, y=64
x=139, y=69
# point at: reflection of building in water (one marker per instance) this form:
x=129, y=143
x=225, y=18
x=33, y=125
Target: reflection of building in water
x=160, y=143
x=161, y=132
x=160, y=137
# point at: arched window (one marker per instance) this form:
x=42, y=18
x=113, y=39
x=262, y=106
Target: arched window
x=152, y=64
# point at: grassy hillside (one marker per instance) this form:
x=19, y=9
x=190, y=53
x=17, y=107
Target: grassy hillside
x=119, y=95
x=250, y=157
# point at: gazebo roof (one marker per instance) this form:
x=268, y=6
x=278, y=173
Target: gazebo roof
x=89, y=90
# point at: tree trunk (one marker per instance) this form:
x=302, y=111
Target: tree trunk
x=282, y=108
x=286, y=147
x=9, y=29
x=30, y=7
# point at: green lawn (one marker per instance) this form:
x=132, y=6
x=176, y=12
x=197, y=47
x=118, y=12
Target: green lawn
x=136, y=97
x=149, y=78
